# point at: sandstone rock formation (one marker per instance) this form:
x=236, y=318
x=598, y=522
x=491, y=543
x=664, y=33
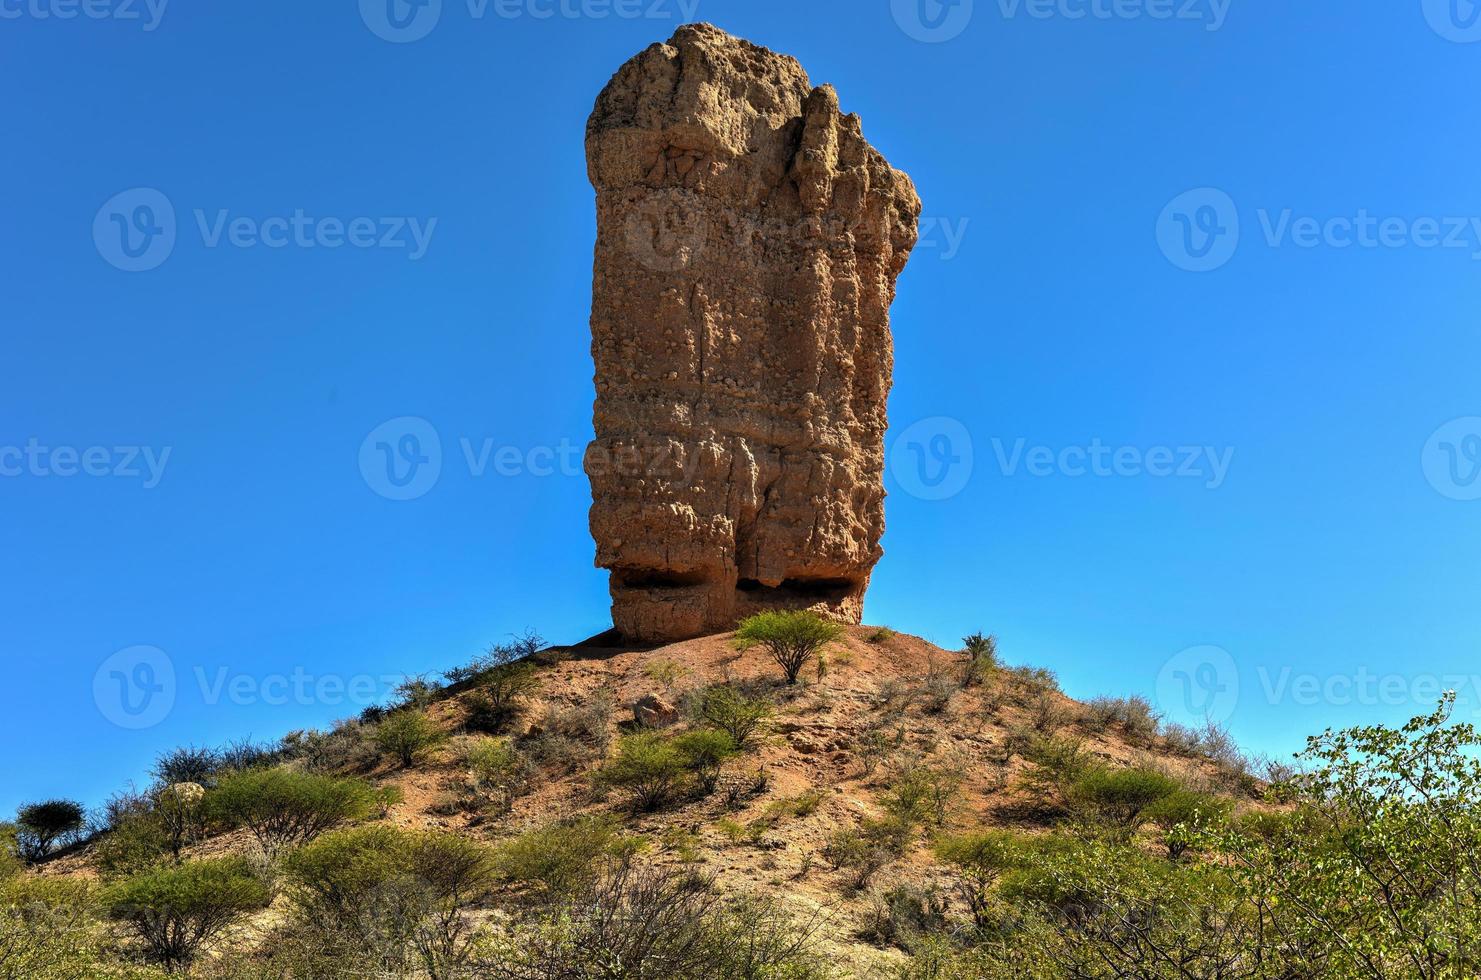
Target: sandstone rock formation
x=748, y=243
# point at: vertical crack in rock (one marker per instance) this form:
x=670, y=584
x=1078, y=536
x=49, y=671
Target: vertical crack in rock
x=748, y=243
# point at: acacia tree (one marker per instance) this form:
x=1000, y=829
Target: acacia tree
x=41, y=826
x=793, y=638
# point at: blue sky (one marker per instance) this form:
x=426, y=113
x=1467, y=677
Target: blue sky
x=1193, y=327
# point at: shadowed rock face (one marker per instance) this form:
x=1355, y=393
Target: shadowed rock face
x=748, y=242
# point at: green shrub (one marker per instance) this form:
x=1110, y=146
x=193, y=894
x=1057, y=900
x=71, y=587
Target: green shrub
x=792, y=638
x=644, y=922
x=881, y=636
x=137, y=842
x=404, y=894
x=39, y=827
x=1136, y=716
x=979, y=860
x=1055, y=764
x=501, y=696
x=1119, y=798
x=648, y=767
x=10, y=857
x=49, y=930
x=177, y=911
x=904, y=914
x=704, y=751
x=284, y=808
x=1185, y=816
x=498, y=772
x=982, y=658
x=740, y=717
x=405, y=735
x=919, y=793
x=560, y=859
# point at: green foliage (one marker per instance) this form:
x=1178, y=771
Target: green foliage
x=920, y=793
x=648, y=767
x=881, y=636
x=1185, y=816
x=560, y=859
x=792, y=638
x=979, y=860
x=703, y=752
x=642, y=922
x=1119, y=798
x=1371, y=870
x=10, y=857
x=177, y=911
x=405, y=735
x=403, y=894
x=49, y=931
x=501, y=697
x=982, y=658
x=1139, y=721
x=863, y=851
x=740, y=717
x=284, y=808
x=39, y=827
x=498, y=773
x=137, y=842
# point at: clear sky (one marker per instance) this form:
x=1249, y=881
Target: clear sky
x=1150, y=421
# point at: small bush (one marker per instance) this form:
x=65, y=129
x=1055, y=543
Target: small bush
x=416, y=693
x=405, y=735
x=1184, y=816
x=903, y=914
x=178, y=911
x=865, y=850
x=704, y=751
x=40, y=827
x=649, y=767
x=1136, y=716
x=882, y=635
x=645, y=922
x=792, y=638
x=284, y=808
x=498, y=773
x=1119, y=798
x=403, y=893
x=743, y=719
x=938, y=687
x=982, y=658
x=187, y=764
x=501, y=697
x=559, y=859
x=979, y=860
x=48, y=931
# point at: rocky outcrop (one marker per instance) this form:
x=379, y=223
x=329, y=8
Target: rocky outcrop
x=748, y=243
